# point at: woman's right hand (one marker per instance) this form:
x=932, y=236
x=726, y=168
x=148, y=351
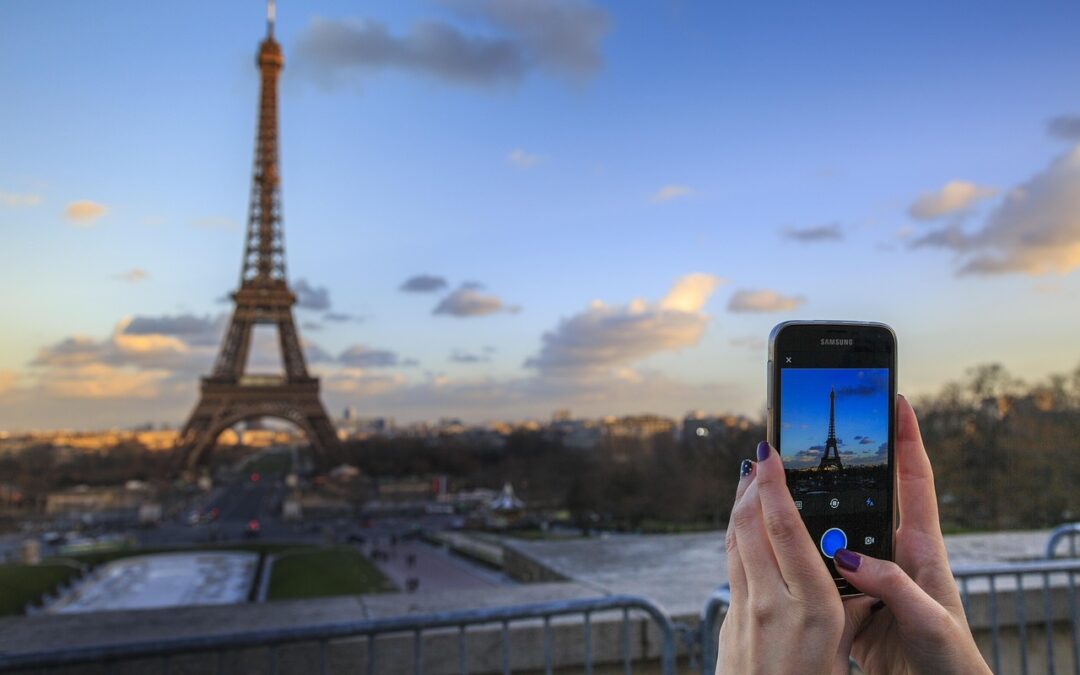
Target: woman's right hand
x=922, y=627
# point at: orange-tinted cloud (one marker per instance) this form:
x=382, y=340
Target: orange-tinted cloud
x=85, y=213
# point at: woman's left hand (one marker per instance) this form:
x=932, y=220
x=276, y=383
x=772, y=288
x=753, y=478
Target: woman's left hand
x=785, y=614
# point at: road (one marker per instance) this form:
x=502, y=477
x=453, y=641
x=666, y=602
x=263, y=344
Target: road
x=433, y=568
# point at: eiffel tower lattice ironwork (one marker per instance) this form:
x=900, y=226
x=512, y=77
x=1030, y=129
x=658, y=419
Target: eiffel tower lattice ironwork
x=832, y=462
x=228, y=395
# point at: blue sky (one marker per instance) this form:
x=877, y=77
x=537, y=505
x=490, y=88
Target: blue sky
x=862, y=414
x=640, y=191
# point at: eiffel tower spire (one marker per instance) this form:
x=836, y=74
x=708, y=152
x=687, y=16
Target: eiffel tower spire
x=229, y=395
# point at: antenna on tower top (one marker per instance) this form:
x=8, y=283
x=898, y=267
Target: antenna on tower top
x=271, y=14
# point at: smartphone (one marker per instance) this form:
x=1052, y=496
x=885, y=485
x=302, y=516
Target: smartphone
x=832, y=417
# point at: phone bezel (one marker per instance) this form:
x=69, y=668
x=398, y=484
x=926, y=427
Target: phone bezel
x=773, y=408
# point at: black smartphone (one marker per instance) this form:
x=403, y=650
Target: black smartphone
x=832, y=417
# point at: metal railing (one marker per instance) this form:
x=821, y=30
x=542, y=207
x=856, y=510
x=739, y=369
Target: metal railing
x=1068, y=531
x=166, y=651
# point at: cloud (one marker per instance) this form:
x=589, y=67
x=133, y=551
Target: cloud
x=8, y=378
x=763, y=300
x=1035, y=230
x=953, y=197
x=360, y=356
x=522, y=159
x=826, y=232
x=560, y=37
x=101, y=381
x=423, y=283
x=670, y=192
x=313, y=353
x=311, y=297
x=1066, y=127
x=15, y=200
x=192, y=329
x=133, y=275
x=607, y=337
x=311, y=326
x=866, y=441
x=341, y=317
x=463, y=356
x=216, y=223
x=467, y=301
x=85, y=213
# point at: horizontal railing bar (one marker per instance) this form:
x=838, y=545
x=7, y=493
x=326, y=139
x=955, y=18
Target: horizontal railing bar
x=1012, y=568
x=330, y=631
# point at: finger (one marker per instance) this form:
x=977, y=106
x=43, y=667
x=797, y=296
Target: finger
x=915, y=478
x=762, y=573
x=736, y=573
x=909, y=604
x=797, y=556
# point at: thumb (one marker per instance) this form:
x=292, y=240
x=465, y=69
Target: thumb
x=882, y=579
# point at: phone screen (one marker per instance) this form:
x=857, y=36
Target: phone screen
x=832, y=422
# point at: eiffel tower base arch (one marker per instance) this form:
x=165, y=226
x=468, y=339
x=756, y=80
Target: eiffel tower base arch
x=224, y=404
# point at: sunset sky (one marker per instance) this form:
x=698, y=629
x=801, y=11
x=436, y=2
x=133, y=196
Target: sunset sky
x=496, y=208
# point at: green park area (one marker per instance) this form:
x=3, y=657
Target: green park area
x=23, y=584
x=316, y=572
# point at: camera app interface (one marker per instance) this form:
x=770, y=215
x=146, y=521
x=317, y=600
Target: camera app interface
x=834, y=438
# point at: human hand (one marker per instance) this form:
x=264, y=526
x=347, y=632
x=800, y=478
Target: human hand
x=922, y=627
x=785, y=614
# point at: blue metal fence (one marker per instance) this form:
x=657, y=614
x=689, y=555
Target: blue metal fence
x=416, y=626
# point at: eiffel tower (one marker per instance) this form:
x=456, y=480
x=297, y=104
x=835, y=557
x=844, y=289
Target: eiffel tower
x=228, y=395
x=827, y=462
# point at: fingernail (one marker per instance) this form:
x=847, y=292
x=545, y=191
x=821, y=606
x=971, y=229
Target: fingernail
x=763, y=451
x=849, y=560
x=745, y=468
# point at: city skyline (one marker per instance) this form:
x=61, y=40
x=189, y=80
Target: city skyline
x=472, y=234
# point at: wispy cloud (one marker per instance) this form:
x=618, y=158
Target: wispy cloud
x=423, y=283
x=361, y=356
x=216, y=223
x=85, y=213
x=522, y=159
x=1065, y=127
x=763, y=300
x=309, y=296
x=817, y=233
x=670, y=192
x=953, y=197
x=133, y=275
x=561, y=37
x=467, y=301
x=15, y=199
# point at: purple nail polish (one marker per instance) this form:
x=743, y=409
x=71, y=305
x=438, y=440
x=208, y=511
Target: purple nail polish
x=763, y=451
x=745, y=468
x=849, y=560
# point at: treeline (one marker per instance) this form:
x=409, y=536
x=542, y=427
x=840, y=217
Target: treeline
x=1006, y=455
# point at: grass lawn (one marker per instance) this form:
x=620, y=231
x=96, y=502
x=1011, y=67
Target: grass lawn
x=324, y=572
x=21, y=584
